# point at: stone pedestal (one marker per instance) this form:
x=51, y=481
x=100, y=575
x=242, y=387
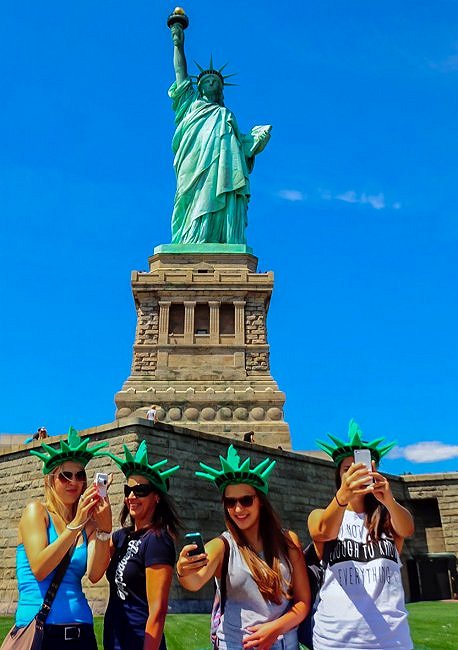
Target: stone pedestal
x=201, y=353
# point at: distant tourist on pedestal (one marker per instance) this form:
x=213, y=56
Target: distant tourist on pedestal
x=152, y=414
x=41, y=434
x=248, y=437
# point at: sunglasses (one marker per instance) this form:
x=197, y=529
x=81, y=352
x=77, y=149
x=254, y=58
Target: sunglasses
x=140, y=490
x=246, y=501
x=79, y=476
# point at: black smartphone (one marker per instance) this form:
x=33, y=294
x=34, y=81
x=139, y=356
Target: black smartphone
x=195, y=538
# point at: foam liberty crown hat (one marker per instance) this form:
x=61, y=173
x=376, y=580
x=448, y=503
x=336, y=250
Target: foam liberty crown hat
x=74, y=448
x=138, y=464
x=233, y=471
x=341, y=449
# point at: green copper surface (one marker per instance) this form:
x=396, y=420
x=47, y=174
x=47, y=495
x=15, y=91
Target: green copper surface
x=203, y=248
x=340, y=449
x=138, y=464
x=213, y=159
x=233, y=471
x=74, y=448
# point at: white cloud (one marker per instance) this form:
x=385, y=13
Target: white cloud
x=396, y=205
x=348, y=197
x=292, y=195
x=377, y=201
x=449, y=64
x=425, y=452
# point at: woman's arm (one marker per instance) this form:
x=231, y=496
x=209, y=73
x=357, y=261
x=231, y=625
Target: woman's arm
x=33, y=531
x=158, y=581
x=195, y=571
x=401, y=520
x=324, y=523
x=99, y=549
x=264, y=635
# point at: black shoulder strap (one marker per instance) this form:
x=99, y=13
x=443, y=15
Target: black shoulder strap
x=223, y=586
x=54, y=586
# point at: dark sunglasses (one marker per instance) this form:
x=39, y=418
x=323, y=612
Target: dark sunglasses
x=140, y=490
x=79, y=476
x=246, y=501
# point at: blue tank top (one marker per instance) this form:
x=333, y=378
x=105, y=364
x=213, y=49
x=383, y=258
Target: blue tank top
x=69, y=605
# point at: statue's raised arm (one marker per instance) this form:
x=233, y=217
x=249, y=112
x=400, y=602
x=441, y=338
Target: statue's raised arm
x=179, y=58
x=213, y=159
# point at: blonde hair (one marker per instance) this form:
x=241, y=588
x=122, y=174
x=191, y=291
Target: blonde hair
x=53, y=504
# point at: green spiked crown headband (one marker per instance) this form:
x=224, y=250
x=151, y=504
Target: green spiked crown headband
x=74, y=448
x=138, y=464
x=341, y=449
x=233, y=471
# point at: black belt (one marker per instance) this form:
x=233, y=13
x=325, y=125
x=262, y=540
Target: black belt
x=68, y=632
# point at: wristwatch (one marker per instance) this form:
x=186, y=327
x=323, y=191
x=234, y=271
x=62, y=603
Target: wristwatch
x=102, y=535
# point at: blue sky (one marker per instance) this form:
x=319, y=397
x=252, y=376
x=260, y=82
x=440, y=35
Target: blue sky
x=354, y=205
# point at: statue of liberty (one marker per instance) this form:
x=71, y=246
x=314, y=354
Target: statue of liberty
x=213, y=159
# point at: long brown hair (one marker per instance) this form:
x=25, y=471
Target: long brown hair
x=377, y=518
x=52, y=502
x=275, y=544
x=164, y=517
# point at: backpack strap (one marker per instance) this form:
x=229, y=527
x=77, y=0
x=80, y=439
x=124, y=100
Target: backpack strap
x=224, y=566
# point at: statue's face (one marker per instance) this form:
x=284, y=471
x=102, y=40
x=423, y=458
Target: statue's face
x=211, y=87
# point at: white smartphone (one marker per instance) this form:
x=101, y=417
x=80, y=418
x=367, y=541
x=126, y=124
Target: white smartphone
x=364, y=456
x=101, y=483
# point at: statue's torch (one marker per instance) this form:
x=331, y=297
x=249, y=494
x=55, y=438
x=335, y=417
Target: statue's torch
x=179, y=17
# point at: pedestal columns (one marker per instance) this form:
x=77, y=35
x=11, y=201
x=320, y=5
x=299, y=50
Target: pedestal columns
x=164, y=309
x=189, y=306
x=214, y=321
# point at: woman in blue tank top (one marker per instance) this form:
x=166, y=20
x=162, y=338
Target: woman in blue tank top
x=72, y=515
x=267, y=588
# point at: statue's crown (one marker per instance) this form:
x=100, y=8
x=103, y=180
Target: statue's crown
x=138, y=464
x=214, y=71
x=74, y=448
x=233, y=471
x=342, y=449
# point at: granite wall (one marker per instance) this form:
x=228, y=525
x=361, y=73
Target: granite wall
x=299, y=484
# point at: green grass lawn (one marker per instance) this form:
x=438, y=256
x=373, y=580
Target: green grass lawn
x=434, y=626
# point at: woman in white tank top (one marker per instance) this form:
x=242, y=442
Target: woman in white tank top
x=359, y=536
x=267, y=589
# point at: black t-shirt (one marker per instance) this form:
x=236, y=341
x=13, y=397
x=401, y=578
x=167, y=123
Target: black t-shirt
x=127, y=612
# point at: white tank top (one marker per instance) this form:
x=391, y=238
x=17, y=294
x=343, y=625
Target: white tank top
x=245, y=605
x=362, y=599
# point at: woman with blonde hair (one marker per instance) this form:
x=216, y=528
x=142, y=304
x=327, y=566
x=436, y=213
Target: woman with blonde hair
x=266, y=585
x=73, y=524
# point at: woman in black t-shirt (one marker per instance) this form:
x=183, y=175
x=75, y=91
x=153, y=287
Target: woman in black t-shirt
x=142, y=558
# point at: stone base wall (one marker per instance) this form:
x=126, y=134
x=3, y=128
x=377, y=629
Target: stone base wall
x=298, y=484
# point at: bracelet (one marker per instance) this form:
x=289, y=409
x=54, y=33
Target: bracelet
x=179, y=575
x=103, y=535
x=79, y=527
x=341, y=505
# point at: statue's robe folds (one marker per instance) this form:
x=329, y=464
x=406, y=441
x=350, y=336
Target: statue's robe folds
x=212, y=171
